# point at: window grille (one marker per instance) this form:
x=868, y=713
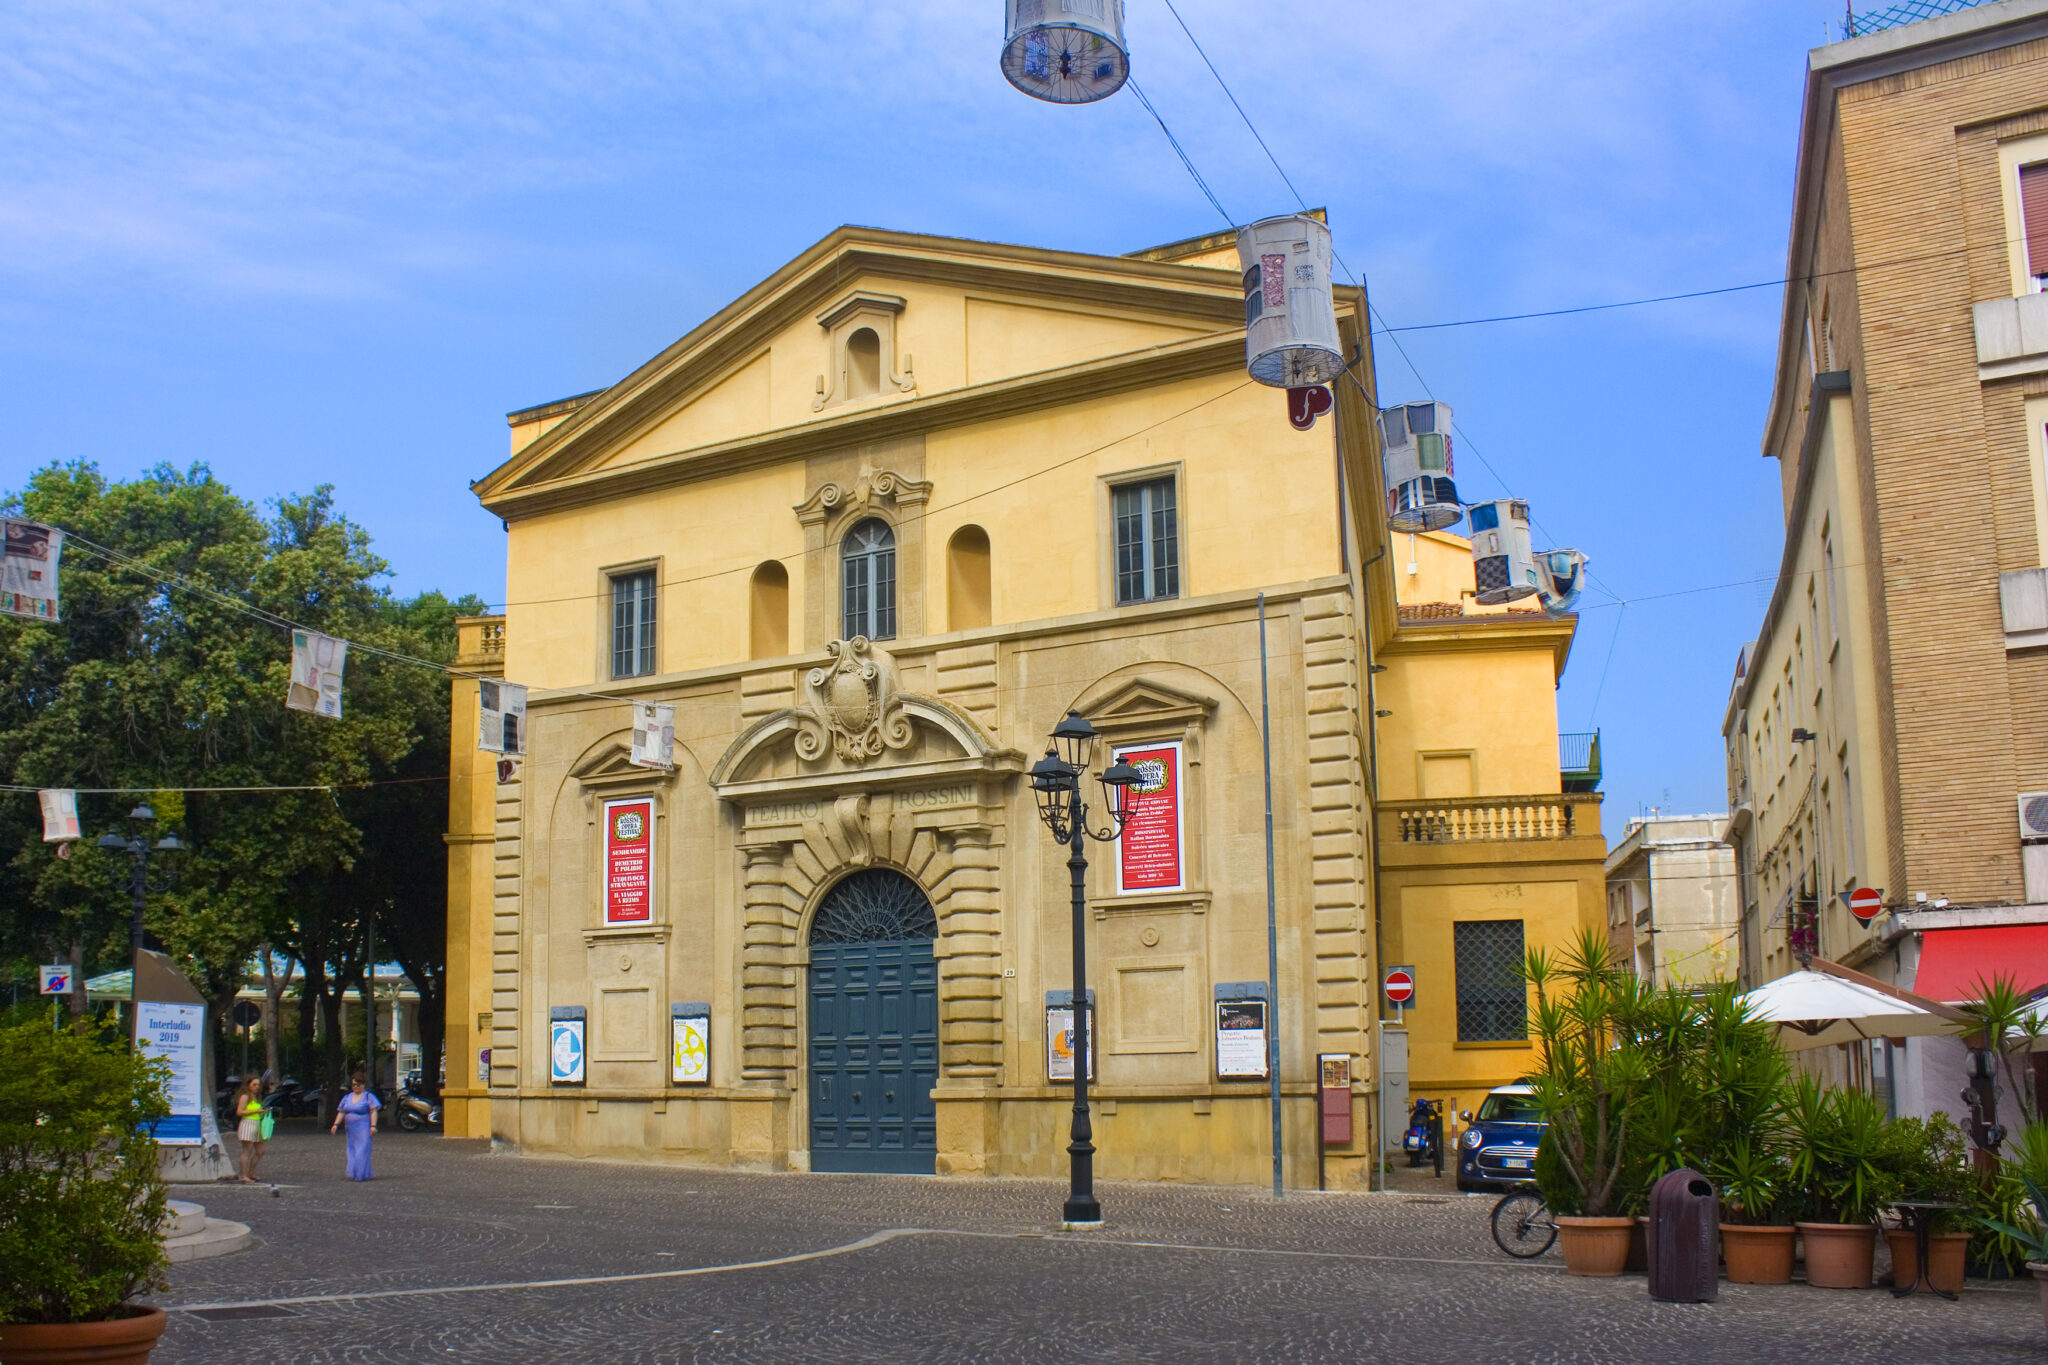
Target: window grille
x=867, y=563
x=1493, y=1003
x=633, y=624
x=1147, y=542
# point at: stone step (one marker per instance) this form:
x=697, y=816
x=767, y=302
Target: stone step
x=192, y=1236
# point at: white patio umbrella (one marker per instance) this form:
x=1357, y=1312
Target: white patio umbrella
x=1817, y=1008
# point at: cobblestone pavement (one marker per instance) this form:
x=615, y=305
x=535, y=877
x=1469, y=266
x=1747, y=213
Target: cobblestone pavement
x=920, y=1269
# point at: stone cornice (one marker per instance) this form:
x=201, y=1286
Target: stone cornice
x=1466, y=634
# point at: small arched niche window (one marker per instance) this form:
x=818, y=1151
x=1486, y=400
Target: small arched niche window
x=867, y=575
x=863, y=363
x=967, y=599
x=768, y=611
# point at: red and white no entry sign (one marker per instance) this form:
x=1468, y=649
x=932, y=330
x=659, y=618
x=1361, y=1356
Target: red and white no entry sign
x=1400, y=985
x=1865, y=902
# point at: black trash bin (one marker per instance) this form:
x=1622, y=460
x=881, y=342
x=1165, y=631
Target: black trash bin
x=1684, y=1239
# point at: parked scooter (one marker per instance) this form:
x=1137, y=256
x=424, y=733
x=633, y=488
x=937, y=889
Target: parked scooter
x=415, y=1111
x=1424, y=1140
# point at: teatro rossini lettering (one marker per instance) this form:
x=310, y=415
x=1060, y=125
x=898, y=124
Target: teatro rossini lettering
x=922, y=798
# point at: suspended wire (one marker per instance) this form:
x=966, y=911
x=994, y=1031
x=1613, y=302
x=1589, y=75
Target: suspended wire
x=1593, y=712
x=1181, y=152
x=145, y=791
x=1235, y=105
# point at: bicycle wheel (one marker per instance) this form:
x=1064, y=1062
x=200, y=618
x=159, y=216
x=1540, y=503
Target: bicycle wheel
x=1522, y=1226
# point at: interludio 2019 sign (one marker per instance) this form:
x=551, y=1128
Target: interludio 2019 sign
x=1149, y=852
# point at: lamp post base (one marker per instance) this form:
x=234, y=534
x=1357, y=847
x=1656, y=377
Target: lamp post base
x=1086, y=1225
x=1080, y=1214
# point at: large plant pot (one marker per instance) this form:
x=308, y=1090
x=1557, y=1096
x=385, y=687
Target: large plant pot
x=2040, y=1269
x=1594, y=1246
x=1839, y=1255
x=126, y=1340
x=1758, y=1253
x=1945, y=1254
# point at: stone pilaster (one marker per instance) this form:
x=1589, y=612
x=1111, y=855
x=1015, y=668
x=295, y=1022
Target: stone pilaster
x=1343, y=970
x=506, y=936
x=768, y=982
x=969, y=951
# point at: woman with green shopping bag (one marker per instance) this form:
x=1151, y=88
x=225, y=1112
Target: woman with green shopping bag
x=252, y=1126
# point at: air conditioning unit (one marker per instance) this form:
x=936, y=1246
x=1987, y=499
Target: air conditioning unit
x=2033, y=817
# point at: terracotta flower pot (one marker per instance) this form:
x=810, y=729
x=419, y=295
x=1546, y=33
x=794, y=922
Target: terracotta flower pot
x=126, y=1340
x=1839, y=1255
x=1758, y=1253
x=1945, y=1253
x=1594, y=1246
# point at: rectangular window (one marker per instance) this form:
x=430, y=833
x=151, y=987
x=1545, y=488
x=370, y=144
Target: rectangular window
x=1493, y=1003
x=633, y=624
x=1147, y=542
x=2034, y=221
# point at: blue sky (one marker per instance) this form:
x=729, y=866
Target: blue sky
x=337, y=242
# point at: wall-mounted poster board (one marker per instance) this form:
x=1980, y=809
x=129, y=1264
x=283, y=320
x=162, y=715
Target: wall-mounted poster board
x=1241, y=1031
x=629, y=860
x=566, y=1050
x=1059, y=1035
x=689, y=1027
x=1151, y=851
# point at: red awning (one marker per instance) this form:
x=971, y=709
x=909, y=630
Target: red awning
x=1952, y=961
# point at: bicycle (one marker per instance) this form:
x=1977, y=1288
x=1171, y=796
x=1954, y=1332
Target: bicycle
x=1522, y=1225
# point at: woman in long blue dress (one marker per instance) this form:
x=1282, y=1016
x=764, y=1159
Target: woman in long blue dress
x=359, y=1109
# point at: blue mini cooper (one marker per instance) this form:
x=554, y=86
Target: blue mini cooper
x=1499, y=1149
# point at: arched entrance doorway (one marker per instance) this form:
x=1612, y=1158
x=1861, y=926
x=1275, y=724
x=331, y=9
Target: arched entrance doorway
x=874, y=1026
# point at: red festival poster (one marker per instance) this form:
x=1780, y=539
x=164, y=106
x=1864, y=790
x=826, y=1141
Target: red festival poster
x=1149, y=853
x=628, y=861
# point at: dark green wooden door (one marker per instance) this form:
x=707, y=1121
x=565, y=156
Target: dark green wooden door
x=874, y=1027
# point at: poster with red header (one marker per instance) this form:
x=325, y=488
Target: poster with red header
x=1149, y=853
x=629, y=861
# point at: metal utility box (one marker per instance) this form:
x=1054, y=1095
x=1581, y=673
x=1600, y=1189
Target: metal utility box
x=1684, y=1239
x=1393, y=1085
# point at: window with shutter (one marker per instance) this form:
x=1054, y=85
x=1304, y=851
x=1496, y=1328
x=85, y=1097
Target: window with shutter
x=2034, y=221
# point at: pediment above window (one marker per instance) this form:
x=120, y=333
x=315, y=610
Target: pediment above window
x=608, y=766
x=1146, y=704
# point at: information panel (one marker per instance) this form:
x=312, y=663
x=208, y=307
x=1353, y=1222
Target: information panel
x=689, y=1060
x=1149, y=852
x=177, y=1034
x=565, y=1045
x=1059, y=1040
x=1241, y=1040
x=629, y=861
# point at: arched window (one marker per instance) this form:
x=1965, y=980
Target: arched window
x=863, y=363
x=967, y=600
x=867, y=574
x=768, y=612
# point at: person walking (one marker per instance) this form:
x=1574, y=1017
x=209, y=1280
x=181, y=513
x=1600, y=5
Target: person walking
x=249, y=1127
x=359, y=1107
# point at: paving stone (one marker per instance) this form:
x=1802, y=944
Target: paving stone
x=1178, y=1274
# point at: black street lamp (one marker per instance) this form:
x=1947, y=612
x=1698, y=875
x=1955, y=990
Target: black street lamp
x=1056, y=779
x=138, y=848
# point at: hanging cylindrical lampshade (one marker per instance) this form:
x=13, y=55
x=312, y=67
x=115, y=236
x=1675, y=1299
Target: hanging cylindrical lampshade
x=1066, y=51
x=1290, y=316
x=1503, y=566
x=1416, y=461
x=1560, y=578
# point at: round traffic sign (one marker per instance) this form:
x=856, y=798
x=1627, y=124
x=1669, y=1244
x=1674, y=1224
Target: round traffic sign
x=1865, y=902
x=246, y=1013
x=1400, y=985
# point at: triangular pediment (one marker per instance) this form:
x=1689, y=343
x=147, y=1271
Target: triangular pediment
x=610, y=764
x=975, y=318
x=1142, y=702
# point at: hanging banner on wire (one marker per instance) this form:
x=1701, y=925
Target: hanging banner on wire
x=28, y=569
x=501, y=717
x=654, y=735
x=317, y=664
x=60, y=814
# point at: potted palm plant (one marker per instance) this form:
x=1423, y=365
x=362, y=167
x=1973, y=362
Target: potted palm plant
x=1584, y=1084
x=1932, y=1164
x=1752, y=1173
x=2033, y=1238
x=1842, y=1175
x=82, y=1206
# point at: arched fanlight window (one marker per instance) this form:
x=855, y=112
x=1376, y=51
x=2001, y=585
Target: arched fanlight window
x=867, y=574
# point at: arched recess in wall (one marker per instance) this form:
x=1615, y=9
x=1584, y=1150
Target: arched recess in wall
x=863, y=363
x=967, y=592
x=768, y=611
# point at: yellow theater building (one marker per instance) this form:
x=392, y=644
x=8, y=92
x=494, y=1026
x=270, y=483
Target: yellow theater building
x=871, y=531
